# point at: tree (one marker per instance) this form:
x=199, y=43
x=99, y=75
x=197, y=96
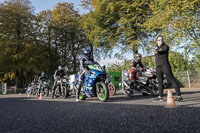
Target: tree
x=178, y=21
x=116, y=23
x=71, y=38
x=16, y=33
x=48, y=37
x=38, y=43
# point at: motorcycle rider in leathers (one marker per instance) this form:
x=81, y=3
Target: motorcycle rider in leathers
x=84, y=63
x=42, y=78
x=136, y=63
x=60, y=73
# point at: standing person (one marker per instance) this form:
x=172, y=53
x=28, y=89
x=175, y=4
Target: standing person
x=163, y=67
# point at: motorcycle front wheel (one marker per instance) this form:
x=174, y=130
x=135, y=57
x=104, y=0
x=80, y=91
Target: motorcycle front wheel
x=47, y=92
x=65, y=92
x=52, y=94
x=102, y=91
x=38, y=92
x=127, y=91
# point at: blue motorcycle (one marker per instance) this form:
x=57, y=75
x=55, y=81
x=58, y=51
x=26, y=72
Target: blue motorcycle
x=94, y=83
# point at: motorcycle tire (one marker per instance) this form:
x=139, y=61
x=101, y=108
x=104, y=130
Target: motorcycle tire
x=38, y=92
x=66, y=92
x=112, y=89
x=154, y=91
x=57, y=92
x=126, y=91
x=102, y=91
x=47, y=92
x=145, y=94
x=52, y=94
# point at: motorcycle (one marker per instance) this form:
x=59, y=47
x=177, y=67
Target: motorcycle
x=36, y=89
x=144, y=83
x=94, y=83
x=44, y=87
x=29, y=90
x=73, y=79
x=62, y=88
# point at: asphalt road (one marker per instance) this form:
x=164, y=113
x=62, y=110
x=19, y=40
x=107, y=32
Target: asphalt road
x=22, y=114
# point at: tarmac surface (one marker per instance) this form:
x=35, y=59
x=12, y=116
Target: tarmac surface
x=121, y=114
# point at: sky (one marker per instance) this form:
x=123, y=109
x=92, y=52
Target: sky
x=49, y=4
x=40, y=5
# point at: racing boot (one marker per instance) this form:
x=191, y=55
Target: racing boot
x=132, y=88
x=78, y=90
x=179, y=98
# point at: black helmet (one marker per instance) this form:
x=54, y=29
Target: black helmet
x=43, y=74
x=138, y=56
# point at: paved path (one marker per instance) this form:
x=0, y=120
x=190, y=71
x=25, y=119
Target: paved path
x=19, y=114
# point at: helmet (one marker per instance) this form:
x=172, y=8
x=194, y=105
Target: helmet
x=138, y=56
x=43, y=74
x=60, y=68
x=87, y=53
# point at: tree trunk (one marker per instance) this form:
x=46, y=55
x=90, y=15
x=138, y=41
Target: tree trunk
x=92, y=50
x=135, y=50
x=18, y=79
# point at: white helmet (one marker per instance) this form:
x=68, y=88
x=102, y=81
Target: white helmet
x=60, y=68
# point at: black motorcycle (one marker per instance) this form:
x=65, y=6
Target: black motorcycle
x=62, y=88
x=44, y=87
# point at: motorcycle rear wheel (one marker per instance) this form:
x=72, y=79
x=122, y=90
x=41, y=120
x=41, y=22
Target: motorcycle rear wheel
x=154, y=91
x=112, y=89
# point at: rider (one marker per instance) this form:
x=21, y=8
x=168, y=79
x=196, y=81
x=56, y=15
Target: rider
x=34, y=83
x=43, y=78
x=60, y=73
x=84, y=63
x=135, y=64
